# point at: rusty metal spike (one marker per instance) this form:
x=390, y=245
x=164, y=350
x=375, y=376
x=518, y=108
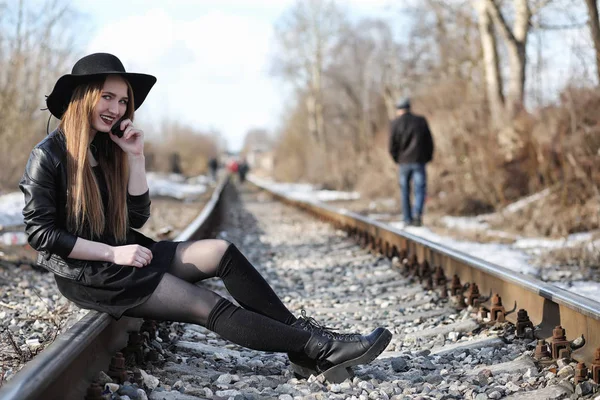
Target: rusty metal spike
x=117, y=368
x=523, y=324
x=456, y=287
x=94, y=392
x=560, y=346
x=596, y=366
x=541, y=350
x=581, y=373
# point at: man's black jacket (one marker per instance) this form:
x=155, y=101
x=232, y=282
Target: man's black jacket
x=410, y=140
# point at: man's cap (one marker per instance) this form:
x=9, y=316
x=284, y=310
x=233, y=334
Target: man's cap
x=403, y=103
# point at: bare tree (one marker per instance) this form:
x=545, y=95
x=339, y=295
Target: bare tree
x=36, y=42
x=594, y=24
x=516, y=42
x=305, y=35
x=491, y=63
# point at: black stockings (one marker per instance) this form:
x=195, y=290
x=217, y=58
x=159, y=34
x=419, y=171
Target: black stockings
x=263, y=323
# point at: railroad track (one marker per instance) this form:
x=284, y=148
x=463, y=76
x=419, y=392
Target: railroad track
x=74, y=359
x=547, y=305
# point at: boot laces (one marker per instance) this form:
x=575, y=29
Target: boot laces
x=312, y=325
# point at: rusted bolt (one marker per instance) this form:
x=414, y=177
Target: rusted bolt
x=581, y=373
x=561, y=347
x=387, y=250
x=439, y=278
x=443, y=292
x=117, y=368
x=541, y=350
x=428, y=283
x=483, y=312
x=425, y=271
x=473, y=295
x=497, y=312
x=523, y=324
x=137, y=377
x=94, y=392
x=134, y=350
x=413, y=265
x=149, y=326
x=596, y=366
x=456, y=287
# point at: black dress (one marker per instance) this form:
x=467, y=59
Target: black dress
x=113, y=288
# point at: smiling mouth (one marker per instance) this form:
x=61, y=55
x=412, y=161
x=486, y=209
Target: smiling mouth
x=107, y=120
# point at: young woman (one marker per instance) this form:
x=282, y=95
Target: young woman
x=85, y=189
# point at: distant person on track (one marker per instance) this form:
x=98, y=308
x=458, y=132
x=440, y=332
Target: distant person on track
x=213, y=166
x=411, y=147
x=243, y=169
x=85, y=189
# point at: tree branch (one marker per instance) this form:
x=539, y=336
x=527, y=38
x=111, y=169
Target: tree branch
x=496, y=14
x=548, y=27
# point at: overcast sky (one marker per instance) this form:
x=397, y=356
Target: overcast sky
x=211, y=58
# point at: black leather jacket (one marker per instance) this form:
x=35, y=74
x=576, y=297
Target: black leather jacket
x=44, y=185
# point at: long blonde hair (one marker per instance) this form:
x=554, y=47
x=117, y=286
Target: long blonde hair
x=85, y=211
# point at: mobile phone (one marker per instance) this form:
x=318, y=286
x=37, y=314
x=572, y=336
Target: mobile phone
x=116, y=129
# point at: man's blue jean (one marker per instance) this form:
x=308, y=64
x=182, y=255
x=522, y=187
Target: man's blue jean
x=416, y=173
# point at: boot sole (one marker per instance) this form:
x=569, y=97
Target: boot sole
x=301, y=372
x=339, y=373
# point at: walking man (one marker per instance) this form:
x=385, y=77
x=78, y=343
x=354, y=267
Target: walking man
x=411, y=147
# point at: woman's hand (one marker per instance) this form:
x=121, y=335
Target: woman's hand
x=133, y=255
x=132, y=141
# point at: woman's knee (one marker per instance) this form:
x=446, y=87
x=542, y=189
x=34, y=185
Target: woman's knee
x=221, y=247
x=209, y=253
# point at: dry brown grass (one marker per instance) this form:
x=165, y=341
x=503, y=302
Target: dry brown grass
x=476, y=169
x=583, y=259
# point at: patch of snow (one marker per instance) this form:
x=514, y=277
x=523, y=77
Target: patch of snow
x=549, y=244
x=500, y=254
x=307, y=192
x=522, y=203
x=174, y=185
x=464, y=223
x=11, y=206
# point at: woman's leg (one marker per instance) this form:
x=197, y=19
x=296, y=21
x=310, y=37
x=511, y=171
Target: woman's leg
x=198, y=260
x=177, y=300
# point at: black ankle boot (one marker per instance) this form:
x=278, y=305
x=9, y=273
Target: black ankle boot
x=302, y=365
x=335, y=353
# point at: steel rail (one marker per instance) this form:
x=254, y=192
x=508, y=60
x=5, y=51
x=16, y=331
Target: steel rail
x=65, y=369
x=548, y=306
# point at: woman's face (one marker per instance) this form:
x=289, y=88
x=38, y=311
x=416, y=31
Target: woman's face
x=112, y=104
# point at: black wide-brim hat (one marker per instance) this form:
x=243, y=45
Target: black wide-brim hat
x=92, y=67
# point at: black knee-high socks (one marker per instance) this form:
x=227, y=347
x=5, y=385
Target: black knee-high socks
x=249, y=288
x=255, y=331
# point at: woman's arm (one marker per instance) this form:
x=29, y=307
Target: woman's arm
x=39, y=212
x=133, y=254
x=132, y=143
x=138, y=184
x=92, y=251
x=138, y=198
